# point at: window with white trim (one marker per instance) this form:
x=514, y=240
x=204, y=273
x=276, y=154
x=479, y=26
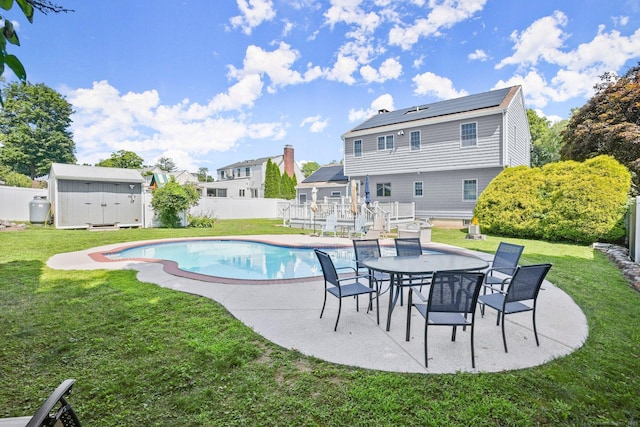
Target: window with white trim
x=357, y=148
x=385, y=142
x=418, y=189
x=415, y=140
x=383, y=189
x=470, y=190
x=468, y=134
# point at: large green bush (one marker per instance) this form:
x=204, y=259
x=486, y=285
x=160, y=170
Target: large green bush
x=562, y=201
x=170, y=200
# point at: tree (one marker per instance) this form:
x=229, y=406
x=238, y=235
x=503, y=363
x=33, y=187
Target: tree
x=34, y=129
x=170, y=200
x=545, y=139
x=8, y=33
x=309, y=168
x=166, y=164
x=122, y=159
x=272, y=181
x=609, y=123
x=203, y=175
x=287, y=186
x=14, y=179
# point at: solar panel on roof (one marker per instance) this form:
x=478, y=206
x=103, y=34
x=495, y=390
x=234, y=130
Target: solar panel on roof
x=436, y=109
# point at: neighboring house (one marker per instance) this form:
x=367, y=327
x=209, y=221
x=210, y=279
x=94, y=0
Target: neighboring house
x=330, y=182
x=440, y=156
x=245, y=179
x=87, y=196
x=156, y=177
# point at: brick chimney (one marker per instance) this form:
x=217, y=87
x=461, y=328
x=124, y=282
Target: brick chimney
x=288, y=160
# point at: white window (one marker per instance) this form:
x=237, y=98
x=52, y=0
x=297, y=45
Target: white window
x=468, y=134
x=417, y=189
x=241, y=192
x=357, y=148
x=385, y=142
x=383, y=189
x=303, y=199
x=415, y=140
x=470, y=190
x=247, y=171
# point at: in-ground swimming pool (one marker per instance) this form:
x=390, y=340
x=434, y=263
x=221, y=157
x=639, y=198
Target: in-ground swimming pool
x=240, y=259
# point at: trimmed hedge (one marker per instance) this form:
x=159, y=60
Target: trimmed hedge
x=562, y=201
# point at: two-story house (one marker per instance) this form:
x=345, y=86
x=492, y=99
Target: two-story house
x=440, y=156
x=245, y=179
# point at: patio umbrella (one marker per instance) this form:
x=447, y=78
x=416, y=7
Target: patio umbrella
x=314, y=206
x=354, y=200
x=367, y=194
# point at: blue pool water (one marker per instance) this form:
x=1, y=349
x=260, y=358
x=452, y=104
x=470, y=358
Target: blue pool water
x=240, y=259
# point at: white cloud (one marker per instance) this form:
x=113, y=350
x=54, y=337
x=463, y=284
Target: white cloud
x=431, y=84
x=390, y=69
x=350, y=12
x=383, y=102
x=542, y=40
x=316, y=123
x=540, y=51
x=106, y=121
x=443, y=15
x=478, y=55
x=343, y=70
x=620, y=20
x=254, y=13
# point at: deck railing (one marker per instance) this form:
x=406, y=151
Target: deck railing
x=392, y=213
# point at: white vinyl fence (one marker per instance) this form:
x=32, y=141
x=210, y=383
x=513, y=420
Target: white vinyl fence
x=14, y=202
x=14, y=206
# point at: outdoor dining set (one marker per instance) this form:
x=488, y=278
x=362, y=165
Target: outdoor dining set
x=445, y=288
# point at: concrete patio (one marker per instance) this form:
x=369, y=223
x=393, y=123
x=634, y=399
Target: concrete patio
x=288, y=315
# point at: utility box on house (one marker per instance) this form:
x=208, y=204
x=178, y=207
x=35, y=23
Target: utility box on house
x=89, y=196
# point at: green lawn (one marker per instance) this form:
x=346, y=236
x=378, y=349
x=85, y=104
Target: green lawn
x=148, y=356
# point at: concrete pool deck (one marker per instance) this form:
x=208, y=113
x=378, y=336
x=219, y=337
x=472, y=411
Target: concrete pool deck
x=288, y=313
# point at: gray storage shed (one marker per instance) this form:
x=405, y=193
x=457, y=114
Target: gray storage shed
x=90, y=196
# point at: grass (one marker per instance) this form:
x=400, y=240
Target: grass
x=145, y=355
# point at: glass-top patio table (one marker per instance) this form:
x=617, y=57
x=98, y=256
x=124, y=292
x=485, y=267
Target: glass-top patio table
x=399, y=266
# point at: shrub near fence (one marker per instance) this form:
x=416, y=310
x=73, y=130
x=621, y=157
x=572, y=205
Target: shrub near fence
x=562, y=201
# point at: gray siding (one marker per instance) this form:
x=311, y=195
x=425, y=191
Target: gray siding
x=82, y=203
x=443, y=191
x=440, y=149
x=519, y=136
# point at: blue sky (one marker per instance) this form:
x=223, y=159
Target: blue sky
x=211, y=82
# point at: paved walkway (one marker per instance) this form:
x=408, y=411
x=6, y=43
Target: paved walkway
x=288, y=315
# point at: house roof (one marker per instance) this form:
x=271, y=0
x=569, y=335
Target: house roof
x=451, y=106
x=329, y=173
x=247, y=163
x=94, y=173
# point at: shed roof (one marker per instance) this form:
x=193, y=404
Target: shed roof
x=94, y=173
x=441, y=108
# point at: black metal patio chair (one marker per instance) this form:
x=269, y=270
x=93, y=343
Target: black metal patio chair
x=520, y=296
x=409, y=246
x=342, y=286
x=505, y=262
x=452, y=300
x=369, y=248
x=55, y=411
